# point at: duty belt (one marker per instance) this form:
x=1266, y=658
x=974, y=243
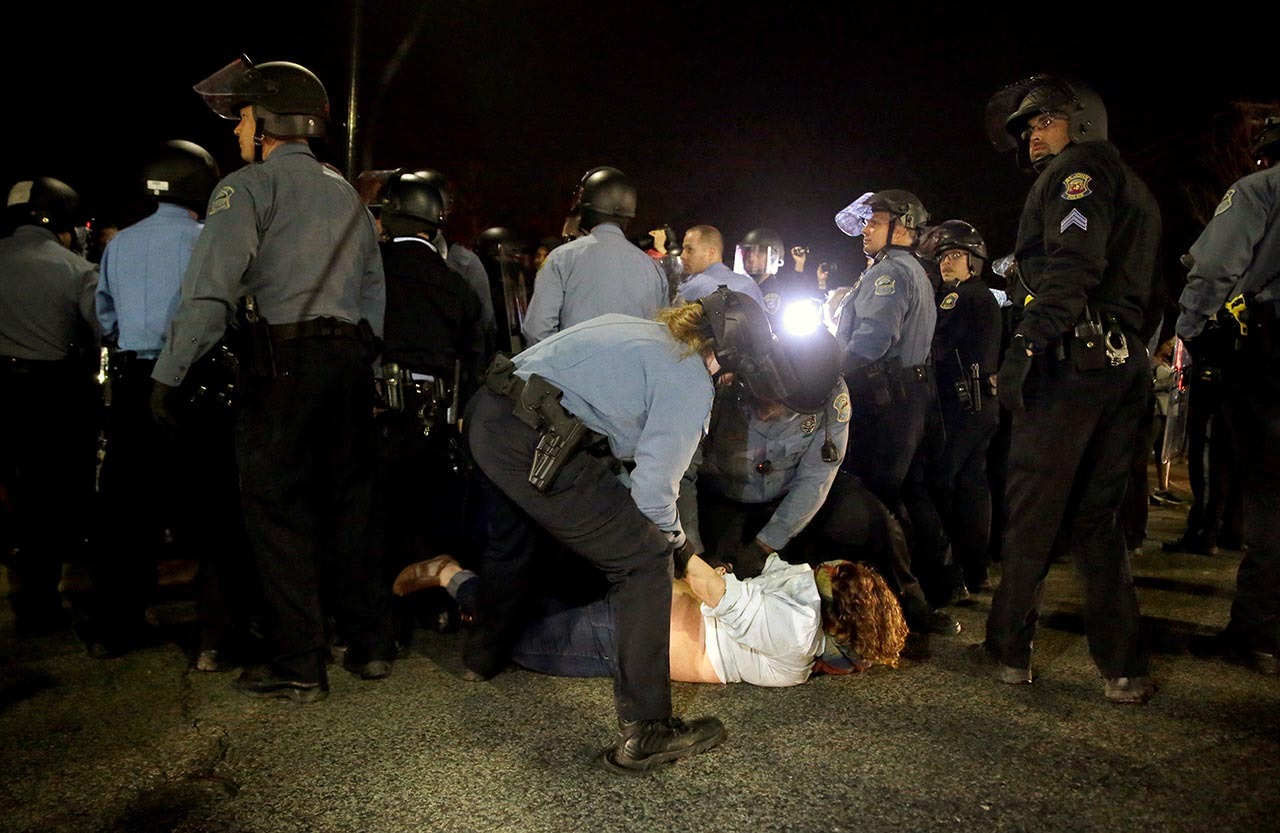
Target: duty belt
x=538, y=406
x=314, y=328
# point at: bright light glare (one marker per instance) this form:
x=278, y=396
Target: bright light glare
x=801, y=318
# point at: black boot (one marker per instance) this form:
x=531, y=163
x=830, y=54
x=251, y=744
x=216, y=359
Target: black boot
x=645, y=744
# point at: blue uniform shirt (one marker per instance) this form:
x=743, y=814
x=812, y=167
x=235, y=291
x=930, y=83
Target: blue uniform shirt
x=1238, y=251
x=751, y=460
x=465, y=262
x=889, y=313
x=46, y=296
x=141, y=278
x=628, y=379
x=290, y=232
x=600, y=273
x=706, y=281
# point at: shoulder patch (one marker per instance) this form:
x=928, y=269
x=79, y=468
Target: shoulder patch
x=809, y=423
x=1076, y=186
x=884, y=285
x=1225, y=204
x=221, y=201
x=949, y=302
x=841, y=407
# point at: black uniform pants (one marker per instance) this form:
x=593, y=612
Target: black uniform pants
x=303, y=445
x=961, y=487
x=1212, y=467
x=1069, y=459
x=592, y=513
x=48, y=423
x=883, y=440
x=1254, y=410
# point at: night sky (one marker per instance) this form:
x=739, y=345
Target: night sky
x=720, y=115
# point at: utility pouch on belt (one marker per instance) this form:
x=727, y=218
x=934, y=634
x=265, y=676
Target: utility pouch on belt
x=1088, y=350
x=879, y=384
x=255, y=338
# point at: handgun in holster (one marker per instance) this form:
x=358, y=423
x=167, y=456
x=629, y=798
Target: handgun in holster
x=1238, y=308
x=879, y=384
x=562, y=433
x=255, y=339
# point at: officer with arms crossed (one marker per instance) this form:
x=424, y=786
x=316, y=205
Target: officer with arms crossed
x=1237, y=268
x=291, y=239
x=542, y=430
x=601, y=272
x=1075, y=376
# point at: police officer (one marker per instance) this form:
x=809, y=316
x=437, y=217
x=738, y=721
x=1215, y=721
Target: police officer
x=290, y=241
x=142, y=270
x=461, y=259
x=644, y=388
x=506, y=262
x=1234, y=276
x=48, y=355
x=433, y=345
x=760, y=254
x=966, y=355
x=885, y=335
x=702, y=254
x=601, y=272
x=768, y=478
x=1075, y=375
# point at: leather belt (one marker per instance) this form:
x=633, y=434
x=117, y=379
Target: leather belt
x=314, y=328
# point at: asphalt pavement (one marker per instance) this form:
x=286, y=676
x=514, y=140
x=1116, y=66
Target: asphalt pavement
x=146, y=743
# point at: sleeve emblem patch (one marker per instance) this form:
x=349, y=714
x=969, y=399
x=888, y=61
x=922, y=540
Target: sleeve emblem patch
x=884, y=285
x=1076, y=186
x=222, y=200
x=841, y=407
x=1225, y=204
x=949, y=302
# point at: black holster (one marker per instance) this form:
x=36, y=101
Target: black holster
x=254, y=347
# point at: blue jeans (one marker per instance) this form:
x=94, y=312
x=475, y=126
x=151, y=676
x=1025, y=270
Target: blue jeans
x=559, y=640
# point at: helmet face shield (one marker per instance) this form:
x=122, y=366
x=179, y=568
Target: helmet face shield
x=758, y=260
x=232, y=86
x=739, y=329
x=852, y=219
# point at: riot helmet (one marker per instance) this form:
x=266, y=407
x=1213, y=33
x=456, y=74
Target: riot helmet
x=1266, y=144
x=759, y=254
x=605, y=195
x=951, y=235
x=44, y=201
x=181, y=172
x=288, y=99
x=410, y=204
x=1011, y=106
x=442, y=185
x=739, y=330
x=904, y=206
x=800, y=372
x=497, y=243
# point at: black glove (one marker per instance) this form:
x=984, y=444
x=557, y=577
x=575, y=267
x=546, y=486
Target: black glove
x=745, y=560
x=1013, y=372
x=164, y=406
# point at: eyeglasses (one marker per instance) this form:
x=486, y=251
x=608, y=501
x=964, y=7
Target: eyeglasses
x=1042, y=123
x=953, y=255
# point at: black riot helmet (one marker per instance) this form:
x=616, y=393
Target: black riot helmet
x=181, y=172
x=800, y=373
x=955, y=234
x=759, y=253
x=605, y=195
x=739, y=330
x=497, y=243
x=440, y=181
x=904, y=206
x=410, y=204
x=1266, y=144
x=288, y=99
x=1011, y=106
x=44, y=201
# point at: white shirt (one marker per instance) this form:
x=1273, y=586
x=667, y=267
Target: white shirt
x=767, y=630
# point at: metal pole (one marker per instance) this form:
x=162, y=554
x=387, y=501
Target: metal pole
x=353, y=84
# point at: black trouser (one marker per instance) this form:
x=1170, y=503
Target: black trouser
x=884, y=439
x=303, y=445
x=1253, y=406
x=1215, y=487
x=48, y=425
x=1137, y=497
x=1069, y=461
x=961, y=488
x=591, y=512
